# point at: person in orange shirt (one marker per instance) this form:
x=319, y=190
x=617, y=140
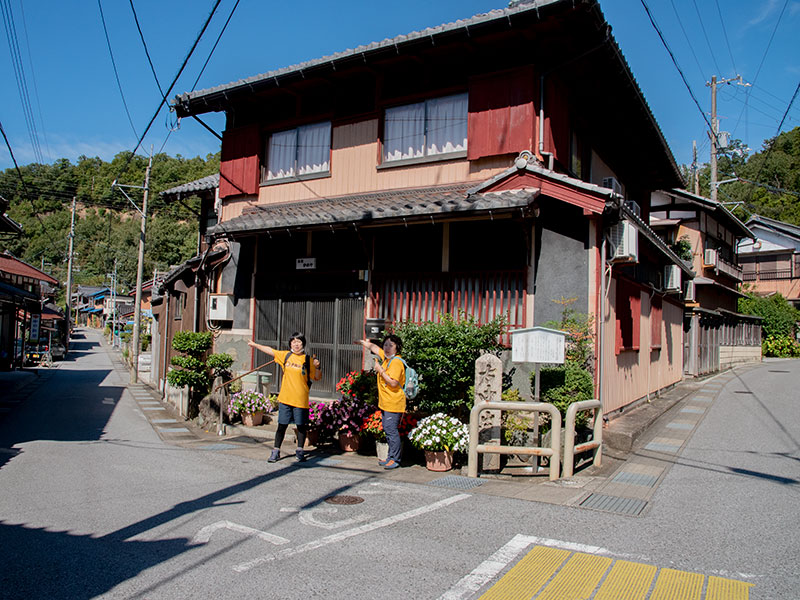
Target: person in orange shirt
x=391, y=398
x=298, y=372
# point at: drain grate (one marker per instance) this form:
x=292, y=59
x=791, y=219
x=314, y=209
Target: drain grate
x=615, y=504
x=456, y=481
x=635, y=479
x=344, y=499
x=243, y=439
x=217, y=447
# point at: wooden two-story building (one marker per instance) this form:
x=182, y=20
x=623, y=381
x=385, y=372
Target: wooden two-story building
x=485, y=166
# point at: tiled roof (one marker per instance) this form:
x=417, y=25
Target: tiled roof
x=210, y=182
x=360, y=51
x=15, y=266
x=396, y=205
x=774, y=225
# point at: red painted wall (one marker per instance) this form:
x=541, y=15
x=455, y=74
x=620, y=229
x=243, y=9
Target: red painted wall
x=239, y=165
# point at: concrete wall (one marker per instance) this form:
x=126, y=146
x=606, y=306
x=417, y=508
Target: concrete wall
x=734, y=355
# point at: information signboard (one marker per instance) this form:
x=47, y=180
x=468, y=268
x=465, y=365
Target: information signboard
x=538, y=345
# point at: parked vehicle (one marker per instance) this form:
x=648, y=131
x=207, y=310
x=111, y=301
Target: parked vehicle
x=58, y=351
x=37, y=353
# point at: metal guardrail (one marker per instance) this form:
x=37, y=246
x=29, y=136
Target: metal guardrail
x=553, y=452
x=596, y=443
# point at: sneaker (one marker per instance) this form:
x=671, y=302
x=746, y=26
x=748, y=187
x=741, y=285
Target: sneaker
x=300, y=456
x=383, y=463
x=391, y=465
x=276, y=454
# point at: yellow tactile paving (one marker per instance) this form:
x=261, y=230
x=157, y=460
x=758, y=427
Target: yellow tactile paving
x=577, y=579
x=727, y=589
x=627, y=581
x=546, y=574
x=528, y=575
x=678, y=585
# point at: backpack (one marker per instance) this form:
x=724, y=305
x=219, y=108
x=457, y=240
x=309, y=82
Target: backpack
x=307, y=366
x=411, y=386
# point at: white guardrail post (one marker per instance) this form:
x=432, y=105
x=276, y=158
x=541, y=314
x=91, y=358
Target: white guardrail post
x=553, y=452
x=596, y=443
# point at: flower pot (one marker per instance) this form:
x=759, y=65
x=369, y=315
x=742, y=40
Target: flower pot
x=253, y=419
x=312, y=437
x=382, y=450
x=348, y=441
x=438, y=461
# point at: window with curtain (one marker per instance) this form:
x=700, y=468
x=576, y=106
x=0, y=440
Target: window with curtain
x=433, y=127
x=300, y=151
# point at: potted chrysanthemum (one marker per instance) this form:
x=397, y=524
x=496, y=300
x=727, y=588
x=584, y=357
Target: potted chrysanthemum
x=250, y=405
x=440, y=436
x=373, y=427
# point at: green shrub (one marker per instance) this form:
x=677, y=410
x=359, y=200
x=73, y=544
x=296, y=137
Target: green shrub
x=192, y=371
x=781, y=346
x=145, y=341
x=564, y=384
x=780, y=317
x=444, y=356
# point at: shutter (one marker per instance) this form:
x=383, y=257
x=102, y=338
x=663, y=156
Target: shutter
x=501, y=114
x=239, y=164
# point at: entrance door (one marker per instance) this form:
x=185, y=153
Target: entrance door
x=330, y=325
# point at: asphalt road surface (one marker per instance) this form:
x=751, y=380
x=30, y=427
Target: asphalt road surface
x=95, y=503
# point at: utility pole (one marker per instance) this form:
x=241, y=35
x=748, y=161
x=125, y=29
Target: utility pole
x=69, y=273
x=695, y=170
x=714, y=135
x=137, y=307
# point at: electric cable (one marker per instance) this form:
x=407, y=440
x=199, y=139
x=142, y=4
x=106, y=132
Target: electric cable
x=172, y=85
x=725, y=34
x=146, y=51
x=686, y=37
x=114, y=64
x=19, y=74
x=219, y=37
x=705, y=35
x=33, y=77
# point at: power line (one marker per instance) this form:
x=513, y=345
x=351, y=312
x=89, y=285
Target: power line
x=114, y=64
x=172, y=85
x=219, y=37
x=146, y=51
x=19, y=74
x=24, y=187
x=33, y=77
x=686, y=37
x=705, y=35
x=675, y=62
x=725, y=33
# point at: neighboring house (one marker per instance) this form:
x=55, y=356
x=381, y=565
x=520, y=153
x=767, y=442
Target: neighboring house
x=86, y=304
x=179, y=298
x=483, y=167
x=716, y=335
x=771, y=262
x=23, y=291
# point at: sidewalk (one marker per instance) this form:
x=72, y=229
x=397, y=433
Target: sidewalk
x=639, y=448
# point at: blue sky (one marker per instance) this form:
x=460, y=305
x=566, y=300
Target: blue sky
x=77, y=109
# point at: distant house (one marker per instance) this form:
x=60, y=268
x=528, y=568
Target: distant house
x=492, y=166
x=771, y=262
x=716, y=335
x=87, y=301
x=24, y=290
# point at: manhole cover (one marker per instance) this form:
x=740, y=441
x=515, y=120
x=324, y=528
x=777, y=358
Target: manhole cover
x=341, y=499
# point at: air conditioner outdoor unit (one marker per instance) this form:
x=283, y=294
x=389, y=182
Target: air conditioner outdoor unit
x=624, y=240
x=710, y=258
x=689, y=295
x=613, y=184
x=220, y=307
x=672, y=278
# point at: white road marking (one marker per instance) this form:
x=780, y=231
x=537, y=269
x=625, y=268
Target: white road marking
x=343, y=535
x=492, y=566
x=307, y=517
x=204, y=535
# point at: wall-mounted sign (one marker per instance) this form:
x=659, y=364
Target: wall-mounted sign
x=305, y=263
x=34, y=333
x=538, y=345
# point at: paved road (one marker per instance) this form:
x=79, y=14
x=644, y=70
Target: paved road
x=100, y=498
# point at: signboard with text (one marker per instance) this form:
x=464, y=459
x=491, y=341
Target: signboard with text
x=538, y=345
x=305, y=263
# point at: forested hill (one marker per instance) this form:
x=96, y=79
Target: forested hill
x=768, y=180
x=106, y=225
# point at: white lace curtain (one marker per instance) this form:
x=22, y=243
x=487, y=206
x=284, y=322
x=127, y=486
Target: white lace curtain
x=427, y=128
x=299, y=151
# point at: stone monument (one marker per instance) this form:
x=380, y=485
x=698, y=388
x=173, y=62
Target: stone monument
x=488, y=388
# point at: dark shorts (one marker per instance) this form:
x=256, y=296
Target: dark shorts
x=292, y=414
